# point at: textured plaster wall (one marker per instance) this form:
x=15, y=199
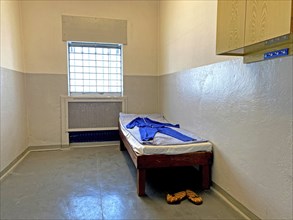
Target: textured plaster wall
x=12, y=85
x=246, y=111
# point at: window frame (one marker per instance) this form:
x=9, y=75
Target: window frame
x=95, y=45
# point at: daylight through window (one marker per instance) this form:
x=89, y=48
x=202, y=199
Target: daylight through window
x=95, y=68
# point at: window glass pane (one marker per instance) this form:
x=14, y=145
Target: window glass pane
x=78, y=49
x=86, y=63
x=86, y=76
x=100, y=82
x=100, y=50
x=72, y=88
x=85, y=49
x=99, y=57
x=114, y=83
x=78, y=56
x=78, y=69
x=105, y=57
x=86, y=69
x=112, y=51
x=79, y=89
x=100, y=70
x=93, y=76
x=100, y=63
x=92, y=57
x=92, y=83
x=93, y=89
x=78, y=63
x=115, y=77
x=86, y=56
x=86, y=88
x=79, y=82
x=92, y=50
x=94, y=69
x=78, y=76
x=86, y=82
x=106, y=50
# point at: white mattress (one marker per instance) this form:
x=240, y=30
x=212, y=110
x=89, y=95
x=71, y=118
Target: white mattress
x=144, y=149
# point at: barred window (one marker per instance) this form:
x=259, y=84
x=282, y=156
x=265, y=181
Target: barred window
x=95, y=68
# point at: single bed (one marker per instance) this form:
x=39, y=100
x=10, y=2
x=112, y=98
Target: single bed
x=159, y=154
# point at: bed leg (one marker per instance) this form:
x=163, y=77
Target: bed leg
x=122, y=147
x=205, y=174
x=141, y=177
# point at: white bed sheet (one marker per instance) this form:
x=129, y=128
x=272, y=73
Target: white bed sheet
x=144, y=149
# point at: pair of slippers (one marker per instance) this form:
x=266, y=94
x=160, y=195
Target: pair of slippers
x=176, y=198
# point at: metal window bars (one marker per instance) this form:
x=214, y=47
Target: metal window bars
x=95, y=68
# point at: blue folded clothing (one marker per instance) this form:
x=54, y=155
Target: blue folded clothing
x=149, y=128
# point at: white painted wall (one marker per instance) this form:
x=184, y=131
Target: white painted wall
x=12, y=85
x=46, y=58
x=187, y=33
x=245, y=110
x=11, y=36
x=44, y=108
x=45, y=52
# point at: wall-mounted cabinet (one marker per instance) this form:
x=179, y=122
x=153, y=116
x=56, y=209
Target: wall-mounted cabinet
x=267, y=19
x=250, y=28
x=230, y=26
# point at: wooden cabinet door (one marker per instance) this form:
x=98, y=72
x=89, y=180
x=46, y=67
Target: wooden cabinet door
x=230, y=25
x=267, y=19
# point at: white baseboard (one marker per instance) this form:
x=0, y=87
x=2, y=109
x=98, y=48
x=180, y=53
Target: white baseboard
x=237, y=206
x=13, y=164
x=18, y=159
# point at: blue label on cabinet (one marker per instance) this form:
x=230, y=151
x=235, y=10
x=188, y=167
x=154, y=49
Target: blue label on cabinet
x=276, y=53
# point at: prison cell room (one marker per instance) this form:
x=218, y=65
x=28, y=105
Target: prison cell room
x=146, y=109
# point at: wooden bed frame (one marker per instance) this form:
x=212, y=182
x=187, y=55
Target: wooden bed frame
x=144, y=162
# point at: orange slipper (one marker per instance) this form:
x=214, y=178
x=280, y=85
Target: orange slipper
x=176, y=198
x=193, y=197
